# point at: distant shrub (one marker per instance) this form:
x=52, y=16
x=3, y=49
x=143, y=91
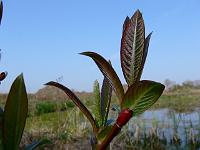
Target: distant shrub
x=66, y=105
x=69, y=104
x=45, y=107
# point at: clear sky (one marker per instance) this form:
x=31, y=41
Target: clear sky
x=42, y=39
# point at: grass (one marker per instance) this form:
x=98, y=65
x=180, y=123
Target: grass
x=58, y=123
x=67, y=128
x=180, y=102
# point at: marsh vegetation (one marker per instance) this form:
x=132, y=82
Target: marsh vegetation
x=172, y=123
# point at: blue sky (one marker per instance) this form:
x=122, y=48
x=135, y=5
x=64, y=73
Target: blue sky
x=42, y=39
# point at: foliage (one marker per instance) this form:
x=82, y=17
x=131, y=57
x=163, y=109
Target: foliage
x=139, y=96
x=13, y=117
x=45, y=107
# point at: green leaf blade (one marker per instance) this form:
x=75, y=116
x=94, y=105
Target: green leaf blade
x=16, y=110
x=142, y=95
x=107, y=71
x=106, y=93
x=97, y=101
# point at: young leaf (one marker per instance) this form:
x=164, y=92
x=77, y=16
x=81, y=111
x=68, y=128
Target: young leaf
x=106, y=93
x=132, y=47
x=16, y=110
x=77, y=102
x=97, y=112
x=1, y=11
x=142, y=95
x=146, y=46
x=109, y=72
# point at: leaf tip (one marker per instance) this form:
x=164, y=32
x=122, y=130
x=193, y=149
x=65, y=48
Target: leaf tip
x=138, y=12
x=49, y=83
x=86, y=53
x=21, y=77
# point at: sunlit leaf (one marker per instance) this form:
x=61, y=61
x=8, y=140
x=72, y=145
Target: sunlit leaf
x=132, y=47
x=76, y=101
x=1, y=11
x=109, y=72
x=16, y=110
x=106, y=93
x=142, y=95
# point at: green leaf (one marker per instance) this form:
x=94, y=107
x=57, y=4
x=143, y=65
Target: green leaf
x=77, y=102
x=1, y=11
x=132, y=47
x=109, y=72
x=106, y=93
x=16, y=110
x=141, y=96
x=36, y=144
x=96, y=93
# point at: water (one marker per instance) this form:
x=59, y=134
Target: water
x=168, y=122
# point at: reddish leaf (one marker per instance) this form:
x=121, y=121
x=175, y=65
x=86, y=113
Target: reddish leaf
x=132, y=47
x=146, y=46
x=76, y=101
x=107, y=71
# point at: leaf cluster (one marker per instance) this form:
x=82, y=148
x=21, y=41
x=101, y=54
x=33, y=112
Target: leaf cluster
x=140, y=95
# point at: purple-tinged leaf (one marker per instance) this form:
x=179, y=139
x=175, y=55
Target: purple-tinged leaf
x=132, y=46
x=141, y=96
x=146, y=46
x=107, y=71
x=77, y=102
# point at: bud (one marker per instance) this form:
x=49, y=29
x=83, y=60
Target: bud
x=3, y=75
x=124, y=116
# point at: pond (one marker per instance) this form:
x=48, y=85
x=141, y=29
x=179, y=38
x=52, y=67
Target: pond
x=167, y=123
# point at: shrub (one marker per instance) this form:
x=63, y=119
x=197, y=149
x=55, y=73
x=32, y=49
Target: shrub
x=45, y=107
